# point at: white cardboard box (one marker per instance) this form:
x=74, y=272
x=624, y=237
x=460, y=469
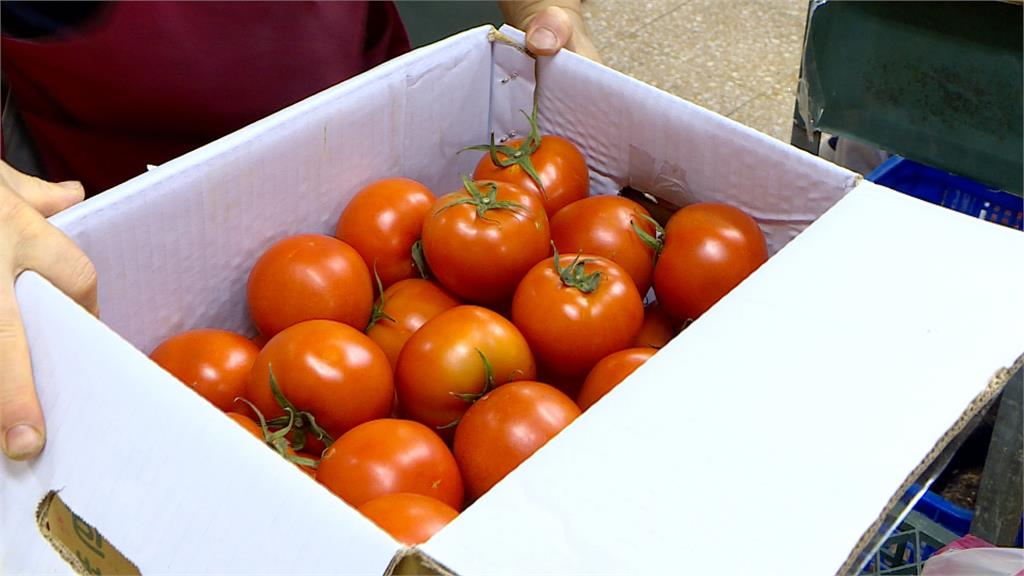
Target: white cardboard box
x=773, y=436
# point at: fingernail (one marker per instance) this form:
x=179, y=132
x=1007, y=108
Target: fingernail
x=544, y=39
x=71, y=185
x=22, y=442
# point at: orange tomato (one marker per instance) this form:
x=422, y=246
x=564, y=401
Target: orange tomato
x=406, y=306
x=382, y=222
x=327, y=369
x=608, y=226
x=446, y=361
x=656, y=330
x=609, y=372
x=479, y=241
x=388, y=456
x=309, y=277
x=409, y=518
x=214, y=363
x=506, y=427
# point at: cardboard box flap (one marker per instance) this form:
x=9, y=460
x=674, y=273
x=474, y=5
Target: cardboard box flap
x=173, y=247
x=780, y=423
x=635, y=135
x=152, y=470
x=901, y=503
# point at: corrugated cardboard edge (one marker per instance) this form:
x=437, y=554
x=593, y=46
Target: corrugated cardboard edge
x=108, y=559
x=415, y=562
x=969, y=415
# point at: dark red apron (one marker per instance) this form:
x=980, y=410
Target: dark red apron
x=148, y=81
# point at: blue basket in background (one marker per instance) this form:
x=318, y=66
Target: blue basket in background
x=954, y=192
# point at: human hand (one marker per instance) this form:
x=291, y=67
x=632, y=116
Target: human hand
x=29, y=242
x=551, y=25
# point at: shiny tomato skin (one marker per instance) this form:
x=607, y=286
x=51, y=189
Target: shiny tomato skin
x=329, y=369
x=309, y=277
x=569, y=330
x=480, y=258
x=442, y=359
x=409, y=304
x=709, y=249
x=506, y=427
x=382, y=222
x=657, y=329
x=214, y=363
x=409, y=518
x=609, y=372
x=603, y=226
x=388, y=456
x=559, y=163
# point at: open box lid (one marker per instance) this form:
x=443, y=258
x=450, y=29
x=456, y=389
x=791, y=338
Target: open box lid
x=769, y=436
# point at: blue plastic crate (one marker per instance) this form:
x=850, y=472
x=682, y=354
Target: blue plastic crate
x=954, y=518
x=949, y=190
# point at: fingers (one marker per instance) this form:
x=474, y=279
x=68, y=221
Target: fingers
x=29, y=242
x=49, y=252
x=47, y=198
x=549, y=31
x=554, y=28
x=21, y=419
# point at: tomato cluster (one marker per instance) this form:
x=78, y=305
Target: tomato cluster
x=412, y=360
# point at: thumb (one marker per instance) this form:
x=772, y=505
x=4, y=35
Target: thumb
x=549, y=31
x=47, y=198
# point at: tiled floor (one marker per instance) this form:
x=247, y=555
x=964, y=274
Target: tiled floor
x=739, y=58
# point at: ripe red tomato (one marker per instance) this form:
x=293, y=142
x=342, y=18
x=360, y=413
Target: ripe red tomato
x=506, y=427
x=556, y=162
x=577, y=312
x=383, y=221
x=607, y=226
x=309, y=277
x=405, y=307
x=328, y=369
x=387, y=456
x=657, y=328
x=445, y=358
x=409, y=518
x=609, y=372
x=480, y=241
x=709, y=249
x=214, y=363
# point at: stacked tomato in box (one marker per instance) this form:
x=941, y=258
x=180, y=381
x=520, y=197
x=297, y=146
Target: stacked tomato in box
x=413, y=360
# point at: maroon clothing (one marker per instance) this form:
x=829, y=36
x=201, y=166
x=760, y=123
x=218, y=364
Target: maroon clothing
x=144, y=82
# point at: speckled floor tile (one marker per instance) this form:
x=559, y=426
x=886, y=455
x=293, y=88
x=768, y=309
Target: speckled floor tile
x=771, y=115
x=740, y=59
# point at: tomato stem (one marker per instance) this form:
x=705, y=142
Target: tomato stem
x=472, y=397
x=519, y=156
x=484, y=202
x=574, y=275
x=420, y=260
x=378, y=307
x=277, y=440
x=304, y=422
x=656, y=242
